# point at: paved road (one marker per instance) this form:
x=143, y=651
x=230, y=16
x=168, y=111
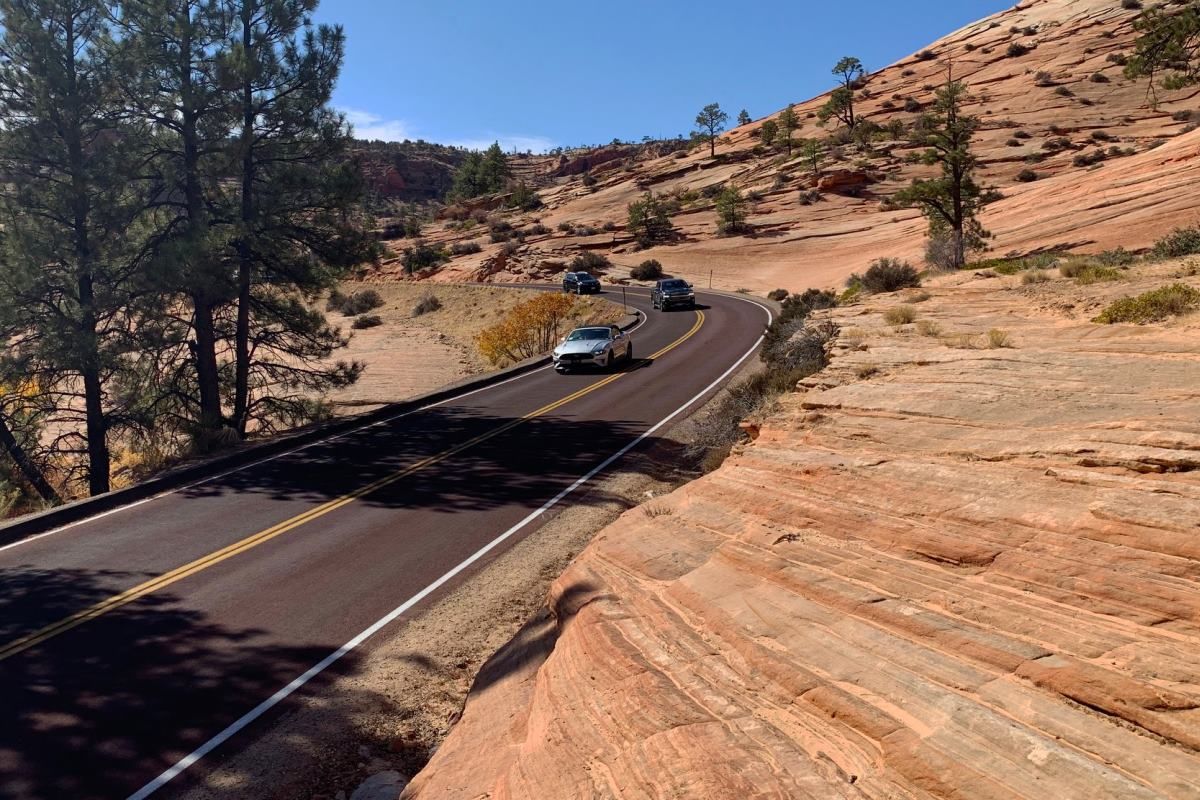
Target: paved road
x=133, y=640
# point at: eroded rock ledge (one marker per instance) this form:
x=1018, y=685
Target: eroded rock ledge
x=939, y=572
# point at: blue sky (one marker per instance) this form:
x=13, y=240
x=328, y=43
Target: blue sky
x=536, y=74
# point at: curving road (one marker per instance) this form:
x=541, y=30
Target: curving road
x=137, y=642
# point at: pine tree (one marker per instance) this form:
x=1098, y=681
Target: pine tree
x=813, y=154
x=744, y=117
x=952, y=201
x=709, y=122
x=731, y=211
x=650, y=221
x=68, y=281
x=296, y=232
x=168, y=52
x=1169, y=40
x=769, y=132
x=841, y=101
x=787, y=124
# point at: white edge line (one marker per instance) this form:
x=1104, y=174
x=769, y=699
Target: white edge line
x=281, y=695
x=284, y=454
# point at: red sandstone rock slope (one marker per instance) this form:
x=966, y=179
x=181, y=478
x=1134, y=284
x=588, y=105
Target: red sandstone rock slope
x=1082, y=105
x=975, y=574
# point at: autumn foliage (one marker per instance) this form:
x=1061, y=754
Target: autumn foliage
x=528, y=329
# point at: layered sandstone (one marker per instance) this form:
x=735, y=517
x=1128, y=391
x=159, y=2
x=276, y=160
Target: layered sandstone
x=942, y=570
x=1059, y=94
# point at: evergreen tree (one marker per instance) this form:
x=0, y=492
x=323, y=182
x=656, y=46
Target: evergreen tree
x=787, y=124
x=295, y=233
x=744, y=117
x=731, y=211
x=952, y=201
x=812, y=152
x=841, y=101
x=649, y=221
x=67, y=282
x=769, y=132
x=480, y=174
x=709, y=122
x=168, y=52
x=1169, y=40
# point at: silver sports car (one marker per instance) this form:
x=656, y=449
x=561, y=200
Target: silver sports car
x=598, y=345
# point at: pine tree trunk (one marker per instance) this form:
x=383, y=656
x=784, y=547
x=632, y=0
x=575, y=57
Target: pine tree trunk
x=241, y=390
x=29, y=469
x=207, y=374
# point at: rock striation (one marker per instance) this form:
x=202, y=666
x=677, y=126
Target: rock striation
x=941, y=570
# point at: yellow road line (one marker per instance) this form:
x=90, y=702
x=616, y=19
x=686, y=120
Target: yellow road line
x=204, y=562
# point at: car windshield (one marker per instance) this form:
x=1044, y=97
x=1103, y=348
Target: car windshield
x=588, y=333
x=674, y=284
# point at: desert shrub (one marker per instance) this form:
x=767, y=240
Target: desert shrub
x=997, y=338
x=360, y=302
x=1016, y=50
x=925, y=55
x=528, y=329
x=1014, y=142
x=565, y=227
x=1031, y=276
x=495, y=237
x=609, y=226
x=1096, y=273
x=1043, y=78
x=537, y=229
x=940, y=252
x=524, y=198
x=1098, y=77
x=1179, y=242
x=585, y=230
x=589, y=262
x=422, y=256
x=907, y=73
x=1027, y=176
x=510, y=247
x=335, y=301
x=1056, y=144
x=799, y=306
x=427, y=304
x=1063, y=91
x=465, y=248
x=889, y=275
x=712, y=190
x=900, y=315
x=810, y=196
x=920, y=297
x=1181, y=116
x=648, y=270
x=588, y=180
x=1022, y=135
x=778, y=295
x=367, y=321
x=1088, y=159
x=912, y=105
x=1102, y=136
x=1152, y=306
x=1131, y=5
x=927, y=327
x=1119, y=59
x=1116, y=258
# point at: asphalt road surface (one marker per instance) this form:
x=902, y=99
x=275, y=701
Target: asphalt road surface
x=136, y=643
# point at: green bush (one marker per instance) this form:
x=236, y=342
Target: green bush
x=889, y=275
x=1016, y=50
x=422, y=256
x=648, y=270
x=778, y=295
x=1179, y=242
x=1116, y=258
x=1153, y=306
x=1027, y=176
x=368, y=321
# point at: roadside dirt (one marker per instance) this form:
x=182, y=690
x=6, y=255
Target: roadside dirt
x=409, y=355
x=408, y=690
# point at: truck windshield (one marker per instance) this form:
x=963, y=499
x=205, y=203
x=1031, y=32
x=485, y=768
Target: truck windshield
x=675, y=285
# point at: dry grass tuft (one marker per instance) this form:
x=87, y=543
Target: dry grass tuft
x=900, y=315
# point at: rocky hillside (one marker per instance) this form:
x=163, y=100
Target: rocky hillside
x=961, y=562
x=1048, y=85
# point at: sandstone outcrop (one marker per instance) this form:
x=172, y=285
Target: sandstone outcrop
x=941, y=570
x=1135, y=184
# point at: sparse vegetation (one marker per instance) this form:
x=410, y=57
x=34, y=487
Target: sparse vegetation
x=366, y=321
x=648, y=270
x=354, y=304
x=900, y=315
x=589, y=262
x=650, y=221
x=1032, y=276
x=1027, y=176
x=927, y=327
x=1016, y=50
x=778, y=295
x=422, y=256
x=1179, y=242
x=887, y=275
x=997, y=338
x=465, y=248
x=427, y=304
x=1152, y=306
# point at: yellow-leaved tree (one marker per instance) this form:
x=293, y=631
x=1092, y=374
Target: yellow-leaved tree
x=528, y=329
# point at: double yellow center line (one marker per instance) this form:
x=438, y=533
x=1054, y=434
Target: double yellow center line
x=204, y=562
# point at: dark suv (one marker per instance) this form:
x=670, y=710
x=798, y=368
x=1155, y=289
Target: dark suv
x=672, y=293
x=580, y=283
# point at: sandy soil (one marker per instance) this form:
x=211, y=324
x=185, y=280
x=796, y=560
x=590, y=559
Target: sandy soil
x=407, y=355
